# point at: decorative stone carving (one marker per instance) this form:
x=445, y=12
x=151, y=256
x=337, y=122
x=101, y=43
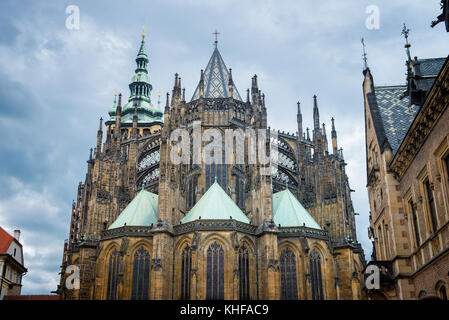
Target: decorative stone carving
x=156, y=264
x=273, y=263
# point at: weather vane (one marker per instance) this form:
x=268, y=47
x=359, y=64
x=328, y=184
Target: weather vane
x=405, y=32
x=143, y=31
x=216, y=33
x=365, y=59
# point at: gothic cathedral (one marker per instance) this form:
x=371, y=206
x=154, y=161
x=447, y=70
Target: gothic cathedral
x=143, y=227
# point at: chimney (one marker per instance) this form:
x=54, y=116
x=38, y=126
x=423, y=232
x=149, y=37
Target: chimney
x=17, y=234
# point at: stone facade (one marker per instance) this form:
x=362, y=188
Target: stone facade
x=253, y=259
x=408, y=181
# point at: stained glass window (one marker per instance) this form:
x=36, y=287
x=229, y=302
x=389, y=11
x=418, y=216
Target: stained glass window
x=186, y=267
x=315, y=274
x=218, y=171
x=244, y=273
x=113, y=273
x=215, y=272
x=141, y=275
x=289, y=286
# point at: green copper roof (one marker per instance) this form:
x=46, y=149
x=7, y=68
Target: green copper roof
x=215, y=204
x=288, y=211
x=140, y=95
x=141, y=211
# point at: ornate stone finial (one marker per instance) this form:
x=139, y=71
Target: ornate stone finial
x=405, y=32
x=216, y=33
x=365, y=59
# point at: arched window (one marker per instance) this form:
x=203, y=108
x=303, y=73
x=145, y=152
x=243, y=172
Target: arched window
x=315, y=275
x=215, y=272
x=289, y=287
x=114, y=268
x=443, y=294
x=141, y=275
x=244, y=273
x=186, y=267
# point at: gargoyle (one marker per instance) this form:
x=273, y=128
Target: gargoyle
x=444, y=17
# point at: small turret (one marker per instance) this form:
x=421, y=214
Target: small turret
x=254, y=90
x=99, y=138
x=118, y=119
x=299, y=121
x=230, y=84
x=201, y=84
x=316, y=115
x=334, y=139
x=176, y=92
x=325, y=144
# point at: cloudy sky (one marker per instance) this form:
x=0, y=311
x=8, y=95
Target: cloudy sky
x=56, y=83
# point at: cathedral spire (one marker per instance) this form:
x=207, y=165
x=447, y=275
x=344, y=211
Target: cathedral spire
x=216, y=80
x=140, y=86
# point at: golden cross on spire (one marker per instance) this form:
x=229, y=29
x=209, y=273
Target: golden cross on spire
x=216, y=33
x=143, y=32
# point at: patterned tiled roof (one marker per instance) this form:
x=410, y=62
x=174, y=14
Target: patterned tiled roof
x=429, y=67
x=216, y=78
x=425, y=71
x=396, y=113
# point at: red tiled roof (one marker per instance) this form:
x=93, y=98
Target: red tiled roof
x=5, y=240
x=34, y=297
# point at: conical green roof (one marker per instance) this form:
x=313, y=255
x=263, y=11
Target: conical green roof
x=215, y=204
x=141, y=211
x=288, y=211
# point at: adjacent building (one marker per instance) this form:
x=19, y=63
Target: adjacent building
x=407, y=152
x=11, y=264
